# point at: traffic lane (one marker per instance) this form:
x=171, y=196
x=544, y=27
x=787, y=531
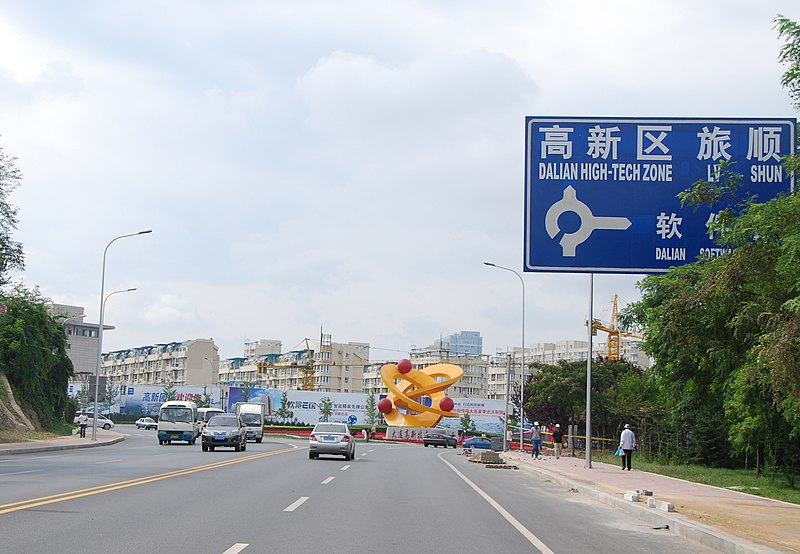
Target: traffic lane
x=392, y=497
x=26, y=476
x=567, y=521
x=206, y=510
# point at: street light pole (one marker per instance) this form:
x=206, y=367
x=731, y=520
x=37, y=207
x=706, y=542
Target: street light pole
x=100, y=327
x=97, y=374
x=522, y=372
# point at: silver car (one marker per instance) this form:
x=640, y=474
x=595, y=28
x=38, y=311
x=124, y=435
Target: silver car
x=331, y=438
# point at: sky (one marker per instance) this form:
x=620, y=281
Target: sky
x=339, y=167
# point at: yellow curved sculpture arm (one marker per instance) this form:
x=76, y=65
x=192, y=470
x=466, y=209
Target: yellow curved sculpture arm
x=414, y=384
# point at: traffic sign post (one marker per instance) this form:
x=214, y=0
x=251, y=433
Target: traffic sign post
x=601, y=193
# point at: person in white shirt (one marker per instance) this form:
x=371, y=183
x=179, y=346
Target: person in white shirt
x=627, y=442
x=83, y=420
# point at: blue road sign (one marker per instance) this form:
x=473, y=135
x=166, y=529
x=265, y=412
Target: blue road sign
x=351, y=419
x=601, y=193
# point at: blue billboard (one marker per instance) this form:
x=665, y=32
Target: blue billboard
x=601, y=193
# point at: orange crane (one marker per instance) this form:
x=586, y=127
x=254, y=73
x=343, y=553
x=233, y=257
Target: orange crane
x=615, y=333
x=307, y=371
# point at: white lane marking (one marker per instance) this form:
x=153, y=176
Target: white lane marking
x=20, y=472
x=345, y=467
x=373, y=450
x=238, y=547
x=108, y=461
x=328, y=480
x=533, y=539
x=296, y=504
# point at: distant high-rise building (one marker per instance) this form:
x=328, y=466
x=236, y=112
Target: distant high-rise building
x=463, y=342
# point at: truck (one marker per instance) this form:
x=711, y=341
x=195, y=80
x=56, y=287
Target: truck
x=254, y=415
x=177, y=420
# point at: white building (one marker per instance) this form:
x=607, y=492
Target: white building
x=337, y=367
x=190, y=362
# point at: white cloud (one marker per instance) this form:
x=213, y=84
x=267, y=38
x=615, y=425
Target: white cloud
x=346, y=165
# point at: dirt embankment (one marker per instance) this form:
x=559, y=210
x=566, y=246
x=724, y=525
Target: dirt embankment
x=13, y=420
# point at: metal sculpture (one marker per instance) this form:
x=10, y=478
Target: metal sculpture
x=412, y=385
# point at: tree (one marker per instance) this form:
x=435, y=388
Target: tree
x=467, y=424
x=11, y=255
x=325, y=408
x=205, y=400
x=283, y=412
x=372, y=416
x=112, y=392
x=790, y=54
x=169, y=391
x=725, y=332
x=33, y=355
x=247, y=390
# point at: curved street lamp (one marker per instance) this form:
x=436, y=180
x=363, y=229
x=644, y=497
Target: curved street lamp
x=522, y=372
x=100, y=327
x=97, y=374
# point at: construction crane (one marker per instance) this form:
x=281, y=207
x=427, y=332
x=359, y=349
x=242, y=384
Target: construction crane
x=307, y=371
x=615, y=333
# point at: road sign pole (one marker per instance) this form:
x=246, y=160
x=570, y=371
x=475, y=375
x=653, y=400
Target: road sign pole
x=590, y=326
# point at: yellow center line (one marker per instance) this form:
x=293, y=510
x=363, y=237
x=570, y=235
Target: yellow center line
x=71, y=495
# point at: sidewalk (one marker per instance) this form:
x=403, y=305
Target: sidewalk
x=722, y=519
x=104, y=438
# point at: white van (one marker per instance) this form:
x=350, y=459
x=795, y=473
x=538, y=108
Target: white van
x=177, y=420
x=205, y=414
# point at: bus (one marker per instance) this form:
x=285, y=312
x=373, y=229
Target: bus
x=177, y=420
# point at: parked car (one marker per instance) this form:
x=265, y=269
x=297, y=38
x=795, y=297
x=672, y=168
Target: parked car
x=478, y=442
x=146, y=423
x=102, y=421
x=438, y=438
x=224, y=430
x=331, y=438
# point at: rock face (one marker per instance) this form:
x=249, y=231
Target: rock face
x=11, y=415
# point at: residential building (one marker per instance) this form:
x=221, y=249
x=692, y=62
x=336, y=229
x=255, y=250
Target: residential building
x=337, y=367
x=82, y=338
x=473, y=384
x=261, y=347
x=189, y=362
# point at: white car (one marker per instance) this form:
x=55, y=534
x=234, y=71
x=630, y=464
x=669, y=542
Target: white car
x=102, y=421
x=146, y=423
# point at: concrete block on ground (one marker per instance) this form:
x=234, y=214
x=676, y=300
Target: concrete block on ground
x=664, y=506
x=645, y=492
x=487, y=457
x=631, y=496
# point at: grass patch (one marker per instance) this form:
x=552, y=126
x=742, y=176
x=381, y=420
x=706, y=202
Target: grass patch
x=14, y=435
x=743, y=480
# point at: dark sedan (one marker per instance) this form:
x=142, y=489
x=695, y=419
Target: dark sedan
x=439, y=438
x=225, y=430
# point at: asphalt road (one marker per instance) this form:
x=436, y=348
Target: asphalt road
x=140, y=497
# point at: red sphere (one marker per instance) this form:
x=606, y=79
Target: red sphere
x=404, y=366
x=446, y=404
x=385, y=405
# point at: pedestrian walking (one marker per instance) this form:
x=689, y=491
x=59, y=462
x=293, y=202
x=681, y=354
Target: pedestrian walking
x=372, y=433
x=536, y=440
x=83, y=420
x=558, y=440
x=627, y=442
